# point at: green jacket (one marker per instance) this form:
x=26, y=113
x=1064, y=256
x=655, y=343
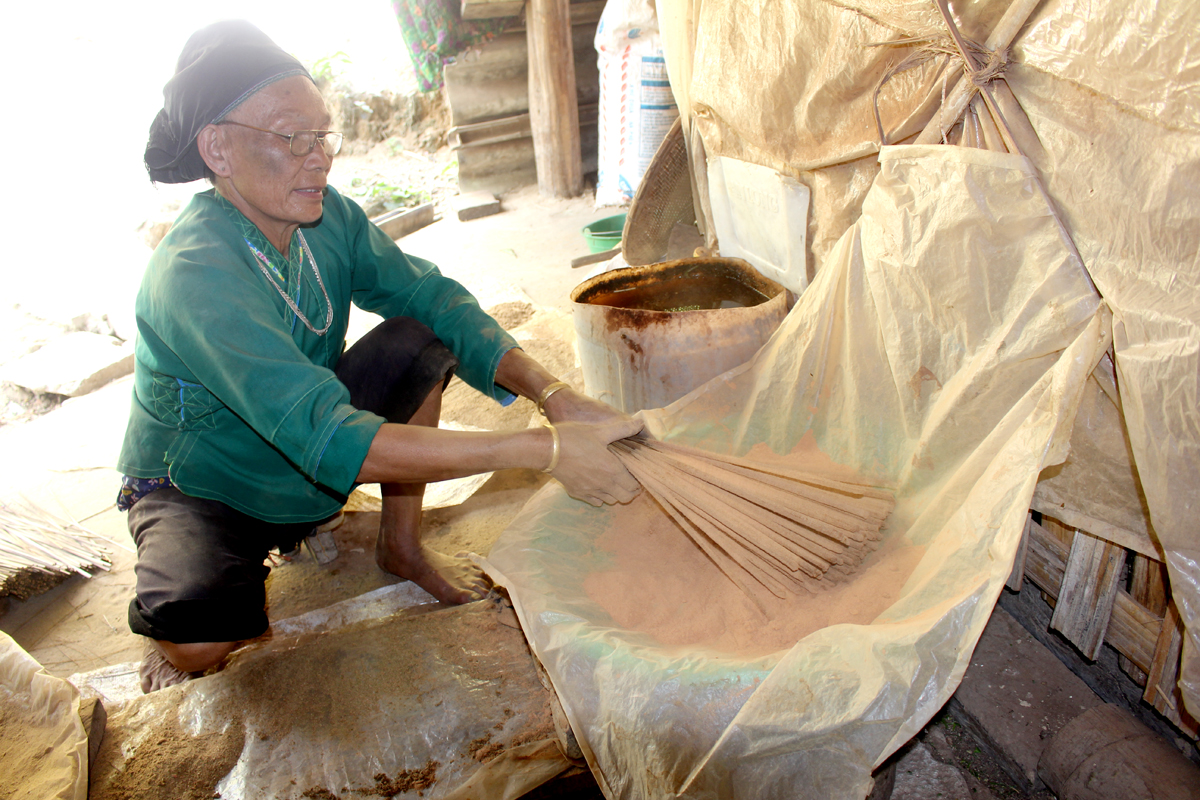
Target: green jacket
x=234, y=398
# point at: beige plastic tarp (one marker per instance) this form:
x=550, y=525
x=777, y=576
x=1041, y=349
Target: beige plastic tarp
x=941, y=351
x=1113, y=92
x=43, y=747
x=347, y=701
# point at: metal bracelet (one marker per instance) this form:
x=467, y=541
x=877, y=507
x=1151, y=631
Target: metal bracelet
x=546, y=394
x=556, y=451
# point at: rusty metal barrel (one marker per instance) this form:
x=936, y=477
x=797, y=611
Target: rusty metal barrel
x=648, y=335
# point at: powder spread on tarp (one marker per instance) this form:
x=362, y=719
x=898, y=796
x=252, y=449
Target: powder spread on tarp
x=460, y=671
x=408, y=780
x=662, y=585
x=159, y=767
x=319, y=793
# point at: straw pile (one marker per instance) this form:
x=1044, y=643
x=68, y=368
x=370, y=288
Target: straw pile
x=38, y=550
x=763, y=525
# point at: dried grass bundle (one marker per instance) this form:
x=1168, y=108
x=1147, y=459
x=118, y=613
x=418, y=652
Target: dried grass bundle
x=763, y=525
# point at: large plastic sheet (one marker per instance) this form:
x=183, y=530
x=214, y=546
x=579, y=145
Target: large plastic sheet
x=1113, y=93
x=43, y=747
x=942, y=351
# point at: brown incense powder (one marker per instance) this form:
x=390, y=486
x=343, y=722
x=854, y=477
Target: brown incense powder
x=663, y=585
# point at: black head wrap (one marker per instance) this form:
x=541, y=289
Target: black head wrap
x=220, y=66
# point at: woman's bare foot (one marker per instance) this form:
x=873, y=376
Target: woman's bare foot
x=158, y=673
x=451, y=579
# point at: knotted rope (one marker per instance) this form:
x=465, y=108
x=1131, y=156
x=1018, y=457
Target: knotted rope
x=929, y=48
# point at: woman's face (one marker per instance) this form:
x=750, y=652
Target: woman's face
x=276, y=190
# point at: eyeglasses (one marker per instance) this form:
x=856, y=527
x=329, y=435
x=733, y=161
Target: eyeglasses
x=301, y=143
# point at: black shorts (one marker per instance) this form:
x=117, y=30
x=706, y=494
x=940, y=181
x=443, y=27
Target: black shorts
x=200, y=571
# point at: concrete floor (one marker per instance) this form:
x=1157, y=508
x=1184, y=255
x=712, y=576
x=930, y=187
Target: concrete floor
x=62, y=462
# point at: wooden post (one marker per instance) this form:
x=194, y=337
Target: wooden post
x=1105, y=753
x=553, y=106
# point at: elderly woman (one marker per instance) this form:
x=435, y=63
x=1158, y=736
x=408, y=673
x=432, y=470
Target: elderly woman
x=249, y=424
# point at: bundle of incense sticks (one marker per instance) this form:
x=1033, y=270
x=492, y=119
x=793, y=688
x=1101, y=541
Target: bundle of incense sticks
x=34, y=540
x=762, y=524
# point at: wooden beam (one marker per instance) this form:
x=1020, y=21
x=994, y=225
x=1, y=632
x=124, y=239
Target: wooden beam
x=553, y=105
x=1001, y=38
x=1106, y=752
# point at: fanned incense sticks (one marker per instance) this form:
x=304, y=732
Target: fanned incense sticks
x=764, y=526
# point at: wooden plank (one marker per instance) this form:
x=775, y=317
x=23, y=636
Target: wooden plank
x=1059, y=530
x=1148, y=590
x=584, y=14
x=1045, y=559
x=479, y=134
x=1017, y=576
x=594, y=258
x=482, y=134
x=1048, y=502
x=1161, y=689
x=492, y=157
x=403, y=221
x=1132, y=629
x=490, y=9
x=1089, y=587
x=1100, y=675
x=587, y=12
x=1149, y=584
x=553, y=105
x=493, y=81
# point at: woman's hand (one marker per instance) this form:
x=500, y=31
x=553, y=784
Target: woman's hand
x=587, y=469
x=568, y=405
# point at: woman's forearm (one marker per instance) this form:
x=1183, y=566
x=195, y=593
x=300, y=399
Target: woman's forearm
x=585, y=427
x=521, y=373
x=420, y=454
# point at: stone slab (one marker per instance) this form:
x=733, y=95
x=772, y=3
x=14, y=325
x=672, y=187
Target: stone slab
x=1015, y=696
x=919, y=776
x=72, y=365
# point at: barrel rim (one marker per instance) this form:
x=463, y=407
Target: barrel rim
x=742, y=268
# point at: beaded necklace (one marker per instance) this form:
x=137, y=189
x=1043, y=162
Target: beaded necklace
x=266, y=267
